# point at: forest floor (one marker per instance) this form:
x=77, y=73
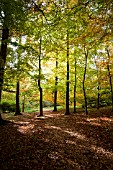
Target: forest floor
x=58, y=142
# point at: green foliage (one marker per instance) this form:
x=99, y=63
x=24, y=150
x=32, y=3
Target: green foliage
x=8, y=106
x=48, y=104
x=87, y=28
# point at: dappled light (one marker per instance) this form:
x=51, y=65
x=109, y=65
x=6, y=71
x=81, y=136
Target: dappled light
x=102, y=151
x=106, y=119
x=77, y=135
x=25, y=129
x=56, y=85
x=75, y=141
x=53, y=127
x=22, y=123
x=74, y=134
x=71, y=142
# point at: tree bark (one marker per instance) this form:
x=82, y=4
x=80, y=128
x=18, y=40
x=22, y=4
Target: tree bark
x=39, y=81
x=67, y=80
x=98, y=87
x=41, y=99
x=110, y=79
x=84, y=91
x=3, y=54
x=55, y=92
x=75, y=90
x=98, y=98
x=17, y=111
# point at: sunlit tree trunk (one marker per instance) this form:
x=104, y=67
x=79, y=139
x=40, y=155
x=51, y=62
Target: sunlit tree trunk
x=3, y=54
x=67, y=80
x=39, y=82
x=84, y=77
x=55, y=92
x=110, y=78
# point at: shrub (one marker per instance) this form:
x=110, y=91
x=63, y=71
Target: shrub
x=48, y=104
x=8, y=106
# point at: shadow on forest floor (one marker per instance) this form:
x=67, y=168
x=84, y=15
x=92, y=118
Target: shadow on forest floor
x=58, y=142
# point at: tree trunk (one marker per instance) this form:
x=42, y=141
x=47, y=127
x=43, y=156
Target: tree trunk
x=67, y=80
x=98, y=87
x=75, y=90
x=110, y=79
x=17, y=111
x=41, y=105
x=55, y=92
x=2, y=122
x=84, y=91
x=98, y=98
x=41, y=99
x=39, y=82
x=3, y=54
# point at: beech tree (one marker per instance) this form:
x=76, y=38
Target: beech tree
x=12, y=14
x=110, y=77
x=55, y=91
x=66, y=25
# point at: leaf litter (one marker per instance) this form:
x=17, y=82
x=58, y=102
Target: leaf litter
x=58, y=142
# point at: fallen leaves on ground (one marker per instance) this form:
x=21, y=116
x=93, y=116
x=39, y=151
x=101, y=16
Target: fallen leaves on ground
x=58, y=142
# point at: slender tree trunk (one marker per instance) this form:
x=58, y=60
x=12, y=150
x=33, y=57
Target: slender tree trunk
x=84, y=91
x=98, y=87
x=23, y=103
x=75, y=90
x=41, y=100
x=55, y=101
x=67, y=83
x=17, y=111
x=110, y=78
x=55, y=92
x=3, y=54
x=98, y=98
x=39, y=81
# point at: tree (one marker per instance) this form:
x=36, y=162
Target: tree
x=98, y=84
x=9, y=19
x=84, y=77
x=110, y=77
x=39, y=80
x=19, y=53
x=3, y=53
x=55, y=91
x=67, y=79
x=75, y=82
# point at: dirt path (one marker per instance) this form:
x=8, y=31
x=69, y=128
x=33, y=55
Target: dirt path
x=58, y=142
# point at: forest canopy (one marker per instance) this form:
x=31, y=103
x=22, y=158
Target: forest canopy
x=57, y=52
